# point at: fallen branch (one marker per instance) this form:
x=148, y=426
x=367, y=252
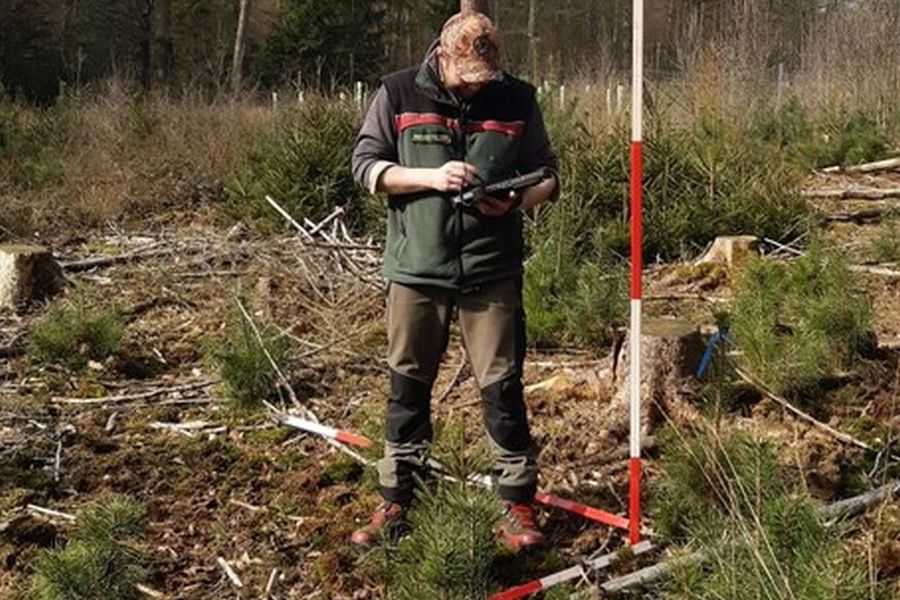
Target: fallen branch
x=572, y=364
x=858, y=216
x=149, y=592
x=230, y=572
x=838, y=510
x=852, y=194
x=142, y=396
x=87, y=264
x=337, y=213
x=270, y=584
x=685, y=296
x=53, y=514
x=876, y=270
x=851, y=507
x=248, y=506
x=839, y=435
x=287, y=216
x=889, y=344
x=189, y=428
x=881, y=165
x=870, y=269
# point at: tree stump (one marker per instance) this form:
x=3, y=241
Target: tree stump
x=731, y=251
x=671, y=351
x=27, y=274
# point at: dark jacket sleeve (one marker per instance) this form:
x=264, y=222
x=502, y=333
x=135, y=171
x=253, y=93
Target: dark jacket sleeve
x=376, y=145
x=536, y=151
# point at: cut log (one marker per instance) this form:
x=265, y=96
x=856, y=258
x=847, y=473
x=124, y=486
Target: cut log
x=27, y=274
x=864, y=215
x=731, y=251
x=670, y=354
x=876, y=270
x=881, y=165
x=852, y=194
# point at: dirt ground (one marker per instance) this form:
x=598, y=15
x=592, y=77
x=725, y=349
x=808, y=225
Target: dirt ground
x=264, y=497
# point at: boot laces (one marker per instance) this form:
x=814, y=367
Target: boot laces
x=522, y=515
x=384, y=512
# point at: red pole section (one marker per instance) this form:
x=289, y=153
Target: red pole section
x=637, y=245
x=594, y=514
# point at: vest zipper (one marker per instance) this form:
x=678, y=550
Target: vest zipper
x=464, y=147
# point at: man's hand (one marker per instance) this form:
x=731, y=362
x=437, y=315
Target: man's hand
x=497, y=207
x=538, y=194
x=453, y=176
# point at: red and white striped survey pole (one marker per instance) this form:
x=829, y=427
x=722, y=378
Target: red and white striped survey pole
x=340, y=435
x=634, y=383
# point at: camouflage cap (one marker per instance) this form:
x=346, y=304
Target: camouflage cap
x=471, y=42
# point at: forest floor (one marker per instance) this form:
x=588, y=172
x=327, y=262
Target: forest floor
x=152, y=422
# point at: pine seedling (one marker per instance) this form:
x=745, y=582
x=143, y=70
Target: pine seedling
x=798, y=323
x=452, y=547
x=72, y=332
x=99, y=562
x=245, y=361
x=762, y=538
x=886, y=246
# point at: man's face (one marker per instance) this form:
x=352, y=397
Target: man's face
x=451, y=78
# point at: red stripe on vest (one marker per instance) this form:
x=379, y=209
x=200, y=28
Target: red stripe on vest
x=510, y=128
x=407, y=120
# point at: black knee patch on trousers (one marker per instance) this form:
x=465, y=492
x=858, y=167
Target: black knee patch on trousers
x=523, y=494
x=504, y=414
x=402, y=494
x=408, y=418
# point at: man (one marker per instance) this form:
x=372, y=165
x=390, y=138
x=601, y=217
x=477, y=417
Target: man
x=431, y=132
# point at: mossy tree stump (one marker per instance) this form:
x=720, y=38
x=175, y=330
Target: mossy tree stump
x=671, y=351
x=27, y=274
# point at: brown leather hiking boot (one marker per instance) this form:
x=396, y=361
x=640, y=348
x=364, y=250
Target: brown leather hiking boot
x=518, y=528
x=389, y=518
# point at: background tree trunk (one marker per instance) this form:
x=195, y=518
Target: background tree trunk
x=166, y=46
x=239, y=47
x=145, y=15
x=474, y=6
x=533, y=41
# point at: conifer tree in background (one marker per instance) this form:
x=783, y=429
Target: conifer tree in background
x=323, y=44
x=195, y=43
